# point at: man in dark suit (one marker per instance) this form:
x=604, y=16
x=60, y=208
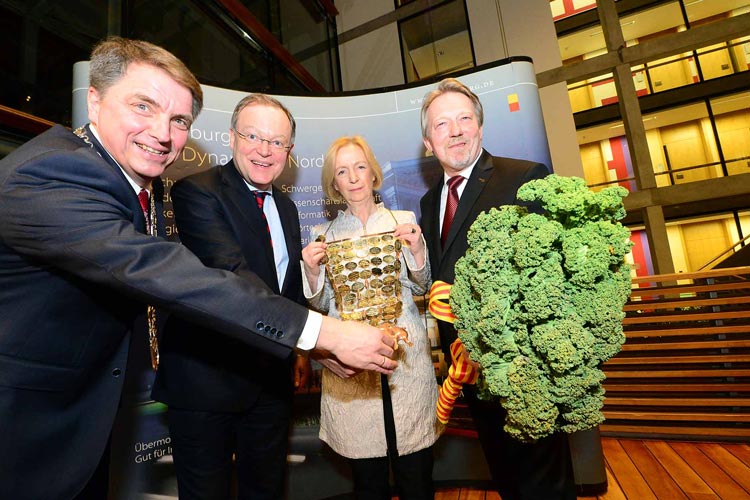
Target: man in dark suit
x=226, y=398
x=76, y=269
x=452, y=120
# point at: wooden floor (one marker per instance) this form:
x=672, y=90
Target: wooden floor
x=649, y=469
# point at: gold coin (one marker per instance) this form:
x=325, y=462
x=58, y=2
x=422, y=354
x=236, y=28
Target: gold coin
x=373, y=311
x=387, y=237
x=349, y=255
x=387, y=289
x=398, y=244
x=360, y=243
x=376, y=271
x=364, y=263
x=334, y=258
x=337, y=269
x=361, y=252
x=397, y=265
x=376, y=283
x=353, y=276
x=389, y=259
x=389, y=249
x=343, y=289
x=365, y=274
x=388, y=269
x=375, y=250
x=339, y=279
x=370, y=294
x=320, y=237
x=389, y=280
x=376, y=261
x=346, y=245
x=358, y=286
x=350, y=266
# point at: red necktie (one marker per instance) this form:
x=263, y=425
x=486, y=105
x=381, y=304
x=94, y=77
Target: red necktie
x=260, y=198
x=143, y=199
x=450, y=206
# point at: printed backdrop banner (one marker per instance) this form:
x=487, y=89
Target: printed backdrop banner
x=389, y=119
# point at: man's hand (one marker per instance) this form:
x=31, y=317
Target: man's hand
x=302, y=372
x=356, y=345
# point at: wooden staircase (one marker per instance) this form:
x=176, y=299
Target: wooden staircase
x=684, y=371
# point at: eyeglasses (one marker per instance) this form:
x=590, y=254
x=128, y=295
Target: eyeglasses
x=257, y=141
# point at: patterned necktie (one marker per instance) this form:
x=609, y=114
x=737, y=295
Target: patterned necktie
x=153, y=341
x=450, y=206
x=143, y=198
x=260, y=198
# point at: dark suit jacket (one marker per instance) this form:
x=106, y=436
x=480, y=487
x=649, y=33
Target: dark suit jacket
x=218, y=220
x=494, y=182
x=75, y=270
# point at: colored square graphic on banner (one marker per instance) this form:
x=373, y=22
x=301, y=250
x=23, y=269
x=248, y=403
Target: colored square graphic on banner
x=513, y=104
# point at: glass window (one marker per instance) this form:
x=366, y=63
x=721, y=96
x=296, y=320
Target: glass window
x=685, y=145
x=310, y=36
x=41, y=41
x=214, y=53
x=733, y=128
x=700, y=243
x=436, y=42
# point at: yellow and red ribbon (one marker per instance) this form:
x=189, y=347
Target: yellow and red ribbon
x=461, y=370
x=438, y=302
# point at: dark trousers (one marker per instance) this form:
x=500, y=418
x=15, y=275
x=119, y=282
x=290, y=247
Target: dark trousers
x=203, y=444
x=412, y=474
x=522, y=471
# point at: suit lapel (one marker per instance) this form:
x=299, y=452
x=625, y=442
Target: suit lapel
x=431, y=221
x=238, y=194
x=474, y=185
x=138, y=219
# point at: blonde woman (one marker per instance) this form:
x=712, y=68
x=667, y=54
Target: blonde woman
x=372, y=424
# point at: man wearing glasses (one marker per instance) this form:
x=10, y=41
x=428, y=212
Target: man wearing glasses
x=226, y=398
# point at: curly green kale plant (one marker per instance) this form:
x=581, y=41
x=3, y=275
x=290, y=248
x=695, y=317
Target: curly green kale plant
x=538, y=302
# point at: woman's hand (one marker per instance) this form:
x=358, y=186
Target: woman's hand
x=312, y=257
x=411, y=235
